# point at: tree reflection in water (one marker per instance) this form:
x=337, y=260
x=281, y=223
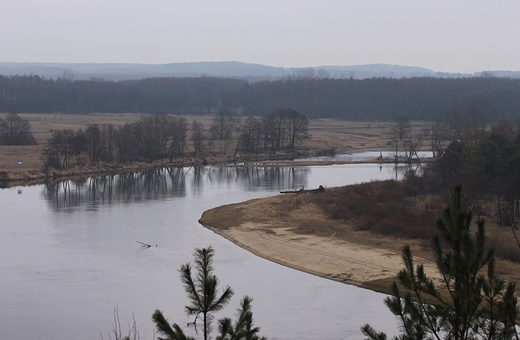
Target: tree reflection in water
x=164, y=183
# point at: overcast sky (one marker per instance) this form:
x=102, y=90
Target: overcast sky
x=442, y=35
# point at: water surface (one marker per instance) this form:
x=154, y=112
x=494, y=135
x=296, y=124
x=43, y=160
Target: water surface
x=69, y=256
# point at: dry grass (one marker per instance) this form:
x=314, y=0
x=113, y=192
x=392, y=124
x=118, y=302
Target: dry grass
x=326, y=135
x=387, y=208
x=346, y=136
x=42, y=126
x=307, y=214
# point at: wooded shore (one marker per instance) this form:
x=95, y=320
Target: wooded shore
x=23, y=165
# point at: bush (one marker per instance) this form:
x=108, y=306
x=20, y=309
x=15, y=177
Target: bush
x=388, y=208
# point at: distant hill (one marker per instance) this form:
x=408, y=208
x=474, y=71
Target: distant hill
x=231, y=69
x=121, y=71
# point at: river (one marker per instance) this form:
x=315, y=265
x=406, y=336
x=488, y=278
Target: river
x=69, y=256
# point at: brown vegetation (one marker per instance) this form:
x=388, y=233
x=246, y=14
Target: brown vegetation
x=326, y=136
x=383, y=216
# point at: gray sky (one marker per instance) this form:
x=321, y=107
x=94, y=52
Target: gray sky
x=442, y=35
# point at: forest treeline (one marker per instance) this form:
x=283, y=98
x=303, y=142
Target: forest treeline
x=420, y=98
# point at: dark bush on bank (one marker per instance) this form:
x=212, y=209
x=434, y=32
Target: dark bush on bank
x=389, y=208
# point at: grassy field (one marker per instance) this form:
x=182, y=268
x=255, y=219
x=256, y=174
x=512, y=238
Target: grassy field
x=42, y=126
x=326, y=134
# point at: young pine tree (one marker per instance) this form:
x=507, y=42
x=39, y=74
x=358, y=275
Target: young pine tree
x=202, y=287
x=469, y=305
x=243, y=328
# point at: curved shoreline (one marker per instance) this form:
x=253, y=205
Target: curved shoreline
x=370, y=266
x=362, y=260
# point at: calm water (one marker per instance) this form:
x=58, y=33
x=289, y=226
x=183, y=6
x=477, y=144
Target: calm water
x=365, y=156
x=68, y=255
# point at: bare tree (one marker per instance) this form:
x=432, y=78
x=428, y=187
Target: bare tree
x=439, y=138
x=304, y=73
x=108, y=132
x=411, y=145
x=268, y=132
x=79, y=146
x=400, y=130
x=297, y=127
x=153, y=135
x=224, y=124
x=250, y=136
x=52, y=151
x=279, y=128
x=178, y=131
x=198, y=136
x=224, y=127
x=466, y=125
x=322, y=73
x=126, y=142
x=67, y=145
x=402, y=126
x=93, y=134
x=15, y=130
x=117, y=331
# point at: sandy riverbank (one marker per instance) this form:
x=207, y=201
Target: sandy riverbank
x=292, y=231
x=360, y=259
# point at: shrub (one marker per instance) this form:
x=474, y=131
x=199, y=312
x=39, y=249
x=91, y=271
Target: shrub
x=380, y=207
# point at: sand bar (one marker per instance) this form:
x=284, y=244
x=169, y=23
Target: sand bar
x=359, y=259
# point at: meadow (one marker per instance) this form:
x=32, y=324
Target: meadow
x=326, y=135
